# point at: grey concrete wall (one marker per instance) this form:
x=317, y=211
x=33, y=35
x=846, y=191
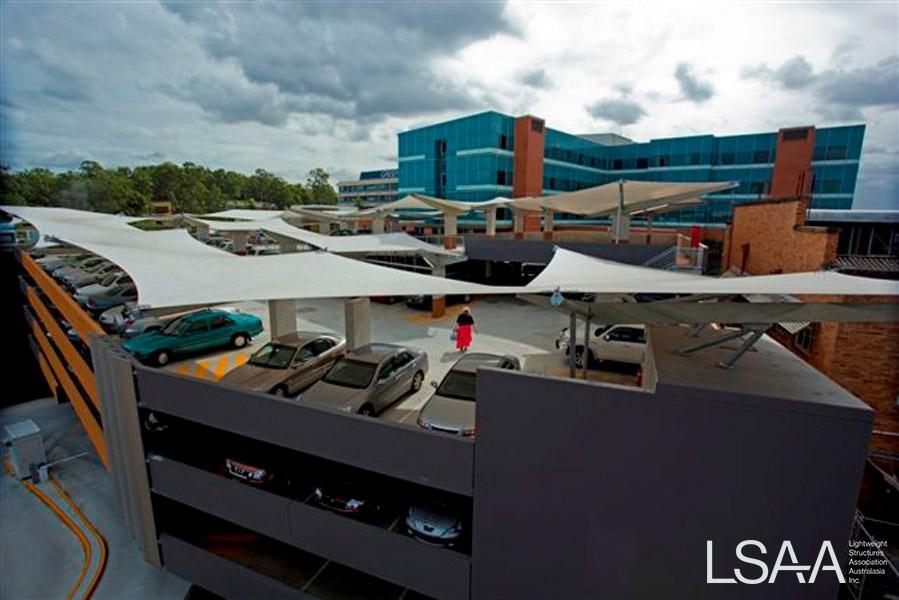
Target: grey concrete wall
x=222, y=576
x=373, y=550
x=586, y=491
x=122, y=431
x=410, y=453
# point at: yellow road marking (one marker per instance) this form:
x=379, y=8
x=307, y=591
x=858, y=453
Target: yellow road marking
x=201, y=370
x=241, y=359
x=220, y=367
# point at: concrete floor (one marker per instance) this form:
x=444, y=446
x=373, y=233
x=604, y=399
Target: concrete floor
x=39, y=556
x=504, y=325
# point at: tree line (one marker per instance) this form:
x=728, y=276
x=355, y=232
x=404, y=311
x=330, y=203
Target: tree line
x=189, y=187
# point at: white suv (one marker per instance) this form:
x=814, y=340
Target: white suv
x=618, y=343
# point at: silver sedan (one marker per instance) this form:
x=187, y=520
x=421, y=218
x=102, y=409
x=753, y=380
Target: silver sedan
x=369, y=379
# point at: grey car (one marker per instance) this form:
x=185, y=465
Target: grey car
x=106, y=283
x=120, y=294
x=86, y=263
x=288, y=364
x=437, y=522
x=369, y=379
x=452, y=407
x=51, y=262
x=89, y=276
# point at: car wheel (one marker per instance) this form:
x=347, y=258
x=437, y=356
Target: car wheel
x=417, y=380
x=279, y=390
x=239, y=340
x=162, y=358
x=367, y=410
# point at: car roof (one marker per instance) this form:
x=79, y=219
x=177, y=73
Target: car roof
x=471, y=362
x=298, y=338
x=374, y=353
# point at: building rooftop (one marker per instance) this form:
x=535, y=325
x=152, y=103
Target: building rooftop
x=768, y=374
x=821, y=215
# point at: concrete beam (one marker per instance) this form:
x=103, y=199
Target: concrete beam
x=357, y=322
x=621, y=228
x=282, y=317
x=548, y=224
x=438, y=303
x=450, y=230
x=518, y=224
x=490, y=215
x=240, y=241
x=202, y=232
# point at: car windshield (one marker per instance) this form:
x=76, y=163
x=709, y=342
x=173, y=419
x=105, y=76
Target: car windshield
x=459, y=385
x=176, y=326
x=275, y=356
x=351, y=373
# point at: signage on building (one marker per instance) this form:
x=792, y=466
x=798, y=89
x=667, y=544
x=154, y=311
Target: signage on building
x=382, y=174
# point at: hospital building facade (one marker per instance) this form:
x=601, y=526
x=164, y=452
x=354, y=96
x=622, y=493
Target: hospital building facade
x=489, y=154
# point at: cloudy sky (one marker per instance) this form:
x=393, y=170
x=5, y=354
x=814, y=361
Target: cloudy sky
x=291, y=86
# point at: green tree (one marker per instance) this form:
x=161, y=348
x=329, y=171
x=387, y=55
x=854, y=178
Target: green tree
x=319, y=188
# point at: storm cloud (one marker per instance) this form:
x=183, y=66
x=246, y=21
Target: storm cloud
x=692, y=87
x=348, y=60
x=617, y=110
x=841, y=92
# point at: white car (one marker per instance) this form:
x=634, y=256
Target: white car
x=618, y=343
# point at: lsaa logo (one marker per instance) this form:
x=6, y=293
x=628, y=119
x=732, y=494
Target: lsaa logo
x=753, y=552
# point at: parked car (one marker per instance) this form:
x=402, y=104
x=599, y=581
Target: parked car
x=85, y=277
x=266, y=250
x=244, y=471
x=369, y=379
x=114, y=296
x=202, y=330
x=51, y=262
x=86, y=263
x=426, y=302
x=348, y=496
x=112, y=318
x=618, y=343
x=288, y=364
x=104, y=285
x=452, y=406
x=437, y=522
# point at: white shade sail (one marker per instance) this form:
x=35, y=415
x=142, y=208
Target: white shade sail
x=638, y=196
x=422, y=202
x=170, y=268
x=247, y=214
x=378, y=243
x=573, y=272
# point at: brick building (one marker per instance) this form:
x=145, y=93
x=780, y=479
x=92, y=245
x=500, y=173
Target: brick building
x=774, y=236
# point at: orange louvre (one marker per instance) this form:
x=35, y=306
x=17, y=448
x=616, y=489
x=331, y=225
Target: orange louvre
x=79, y=319
x=74, y=360
x=91, y=427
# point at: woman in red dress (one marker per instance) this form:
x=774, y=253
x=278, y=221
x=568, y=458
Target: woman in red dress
x=464, y=328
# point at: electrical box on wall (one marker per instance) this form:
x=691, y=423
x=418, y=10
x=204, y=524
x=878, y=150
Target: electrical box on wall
x=26, y=447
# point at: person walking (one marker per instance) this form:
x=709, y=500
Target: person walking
x=464, y=329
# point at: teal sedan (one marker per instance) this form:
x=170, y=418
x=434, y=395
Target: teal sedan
x=193, y=333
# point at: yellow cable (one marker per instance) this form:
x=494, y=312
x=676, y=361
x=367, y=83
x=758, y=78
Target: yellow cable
x=101, y=566
x=85, y=544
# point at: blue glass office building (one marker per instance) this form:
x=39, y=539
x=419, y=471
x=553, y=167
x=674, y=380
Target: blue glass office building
x=481, y=156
